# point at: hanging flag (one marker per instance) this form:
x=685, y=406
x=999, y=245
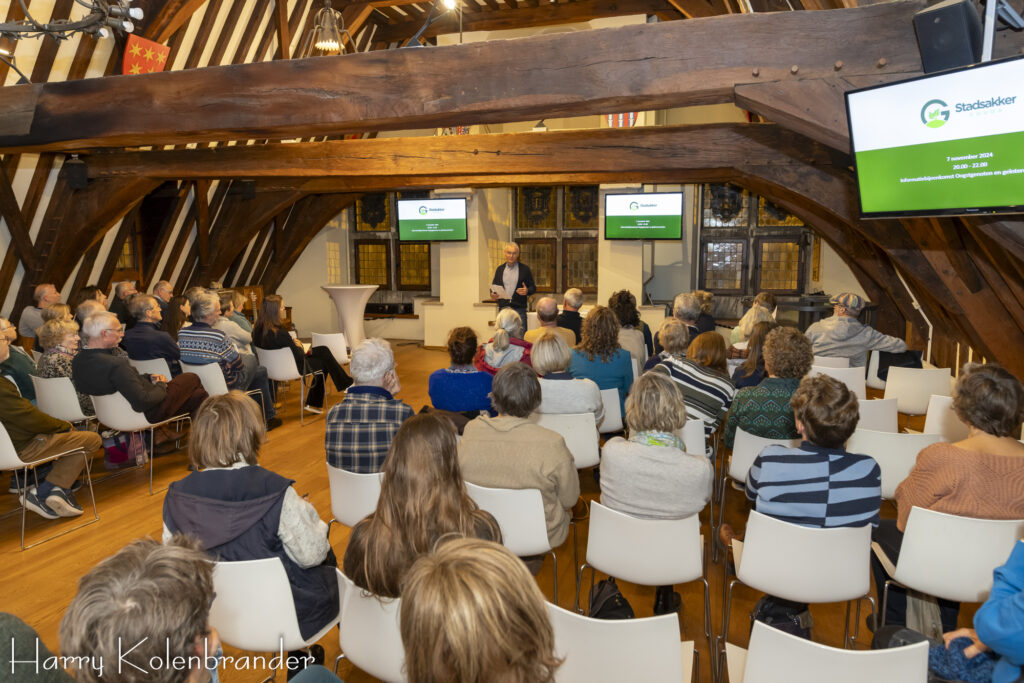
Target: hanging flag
x=623, y=120
x=143, y=56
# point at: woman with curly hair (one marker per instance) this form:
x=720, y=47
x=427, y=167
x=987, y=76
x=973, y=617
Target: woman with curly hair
x=764, y=410
x=705, y=321
x=634, y=335
x=422, y=498
x=599, y=357
x=751, y=371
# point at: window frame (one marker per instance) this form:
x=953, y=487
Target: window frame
x=794, y=238
x=713, y=236
x=401, y=286
x=387, y=255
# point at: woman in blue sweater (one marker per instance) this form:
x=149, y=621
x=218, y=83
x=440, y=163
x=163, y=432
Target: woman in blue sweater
x=599, y=357
x=460, y=387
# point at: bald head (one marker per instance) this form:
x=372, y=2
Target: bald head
x=547, y=311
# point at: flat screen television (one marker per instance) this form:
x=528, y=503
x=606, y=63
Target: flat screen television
x=648, y=216
x=950, y=143
x=432, y=220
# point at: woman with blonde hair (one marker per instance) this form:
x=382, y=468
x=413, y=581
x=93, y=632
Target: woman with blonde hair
x=674, y=337
x=762, y=310
x=472, y=613
x=506, y=346
x=599, y=357
x=561, y=392
x=422, y=498
x=60, y=342
x=705, y=321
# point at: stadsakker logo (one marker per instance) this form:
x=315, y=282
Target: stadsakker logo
x=633, y=206
x=423, y=211
x=935, y=113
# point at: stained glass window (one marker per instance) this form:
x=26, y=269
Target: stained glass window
x=372, y=263
x=414, y=265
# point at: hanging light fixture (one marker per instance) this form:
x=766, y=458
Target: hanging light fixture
x=325, y=38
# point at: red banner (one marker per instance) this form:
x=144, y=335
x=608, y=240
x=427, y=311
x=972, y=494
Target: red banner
x=143, y=56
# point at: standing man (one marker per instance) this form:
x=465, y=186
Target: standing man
x=516, y=282
x=44, y=296
x=843, y=336
x=163, y=293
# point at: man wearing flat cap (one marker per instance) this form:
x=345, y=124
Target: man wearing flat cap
x=843, y=336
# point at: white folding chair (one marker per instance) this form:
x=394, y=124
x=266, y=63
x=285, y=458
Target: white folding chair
x=879, y=415
x=851, y=377
x=831, y=362
x=873, y=380
x=694, y=439
x=212, y=378
x=636, y=367
x=520, y=516
x=913, y=387
x=612, y=421
x=253, y=608
x=156, y=366
x=9, y=460
x=369, y=632
x=895, y=453
x=334, y=341
x=116, y=412
x=353, y=495
x=579, y=431
x=942, y=420
x=532, y=321
x=36, y=355
x=280, y=365
x=803, y=564
x=775, y=656
x=56, y=397
x=596, y=650
x=948, y=556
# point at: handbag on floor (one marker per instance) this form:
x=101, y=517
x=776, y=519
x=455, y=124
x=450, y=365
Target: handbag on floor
x=608, y=602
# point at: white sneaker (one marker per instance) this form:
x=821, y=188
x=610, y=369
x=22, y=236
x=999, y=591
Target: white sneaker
x=313, y=409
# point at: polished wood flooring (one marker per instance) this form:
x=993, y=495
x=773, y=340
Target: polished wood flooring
x=39, y=583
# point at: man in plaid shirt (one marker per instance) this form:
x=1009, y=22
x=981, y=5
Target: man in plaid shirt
x=360, y=428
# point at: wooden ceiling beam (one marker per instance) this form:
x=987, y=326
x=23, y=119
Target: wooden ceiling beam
x=173, y=15
x=308, y=217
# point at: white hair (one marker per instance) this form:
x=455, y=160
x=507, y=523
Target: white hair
x=120, y=287
x=512, y=244
x=163, y=284
x=573, y=297
x=97, y=322
x=371, y=360
x=205, y=305
x=686, y=307
x=508, y=324
x=40, y=291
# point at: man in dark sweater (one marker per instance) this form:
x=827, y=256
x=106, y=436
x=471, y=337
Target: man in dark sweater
x=515, y=281
x=146, y=341
x=570, y=318
x=37, y=436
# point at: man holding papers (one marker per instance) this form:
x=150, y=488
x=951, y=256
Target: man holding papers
x=513, y=283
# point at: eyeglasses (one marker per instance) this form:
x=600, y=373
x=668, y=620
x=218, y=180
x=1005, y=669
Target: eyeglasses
x=116, y=330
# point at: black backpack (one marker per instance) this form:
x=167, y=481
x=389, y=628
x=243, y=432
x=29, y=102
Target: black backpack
x=607, y=601
x=792, y=617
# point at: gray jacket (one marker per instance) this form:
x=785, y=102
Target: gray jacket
x=843, y=337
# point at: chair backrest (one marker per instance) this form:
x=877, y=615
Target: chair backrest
x=895, y=453
x=775, y=655
x=114, y=411
x=953, y=557
x=210, y=375
x=579, y=431
x=873, y=380
x=851, y=377
x=612, y=421
x=636, y=367
x=694, y=438
x=651, y=552
x=253, y=608
x=9, y=459
x=335, y=342
x=36, y=355
x=280, y=363
x=156, y=366
x=617, y=650
x=879, y=415
x=369, y=632
x=56, y=397
x=532, y=321
x=746, y=447
x=940, y=419
x=520, y=515
x=913, y=387
x=805, y=564
x=353, y=495
x=831, y=362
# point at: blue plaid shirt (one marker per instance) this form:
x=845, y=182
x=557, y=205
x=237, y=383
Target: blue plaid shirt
x=360, y=428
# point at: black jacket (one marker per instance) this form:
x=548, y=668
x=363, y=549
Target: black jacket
x=571, y=320
x=525, y=277
x=98, y=372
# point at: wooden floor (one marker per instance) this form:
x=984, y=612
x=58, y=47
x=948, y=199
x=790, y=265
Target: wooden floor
x=40, y=582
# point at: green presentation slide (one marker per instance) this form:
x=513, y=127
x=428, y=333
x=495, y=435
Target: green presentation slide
x=643, y=227
x=985, y=171
x=429, y=229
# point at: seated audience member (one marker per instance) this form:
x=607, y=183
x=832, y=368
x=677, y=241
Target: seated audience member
x=760, y=311
x=60, y=341
x=506, y=346
x=460, y=387
x=705, y=321
x=422, y=498
x=765, y=410
x=19, y=365
x=651, y=475
x=163, y=292
x=547, y=316
x=237, y=307
x=843, y=336
x=560, y=392
x=270, y=333
x=360, y=428
x=123, y=293
x=179, y=310
x=241, y=511
x=98, y=371
x=471, y=612
x=58, y=311
x=634, y=335
x=43, y=297
x=981, y=476
x=598, y=357
x=674, y=337
x=510, y=452
x=146, y=341
x=87, y=308
x=686, y=307
x=35, y=436
x=89, y=293
x=570, y=318
x=241, y=337
x=751, y=371
x=703, y=380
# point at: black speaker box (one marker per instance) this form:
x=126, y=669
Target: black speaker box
x=948, y=35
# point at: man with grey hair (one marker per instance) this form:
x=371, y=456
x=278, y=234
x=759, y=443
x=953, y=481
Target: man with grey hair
x=163, y=293
x=146, y=341
x=547, y=316
x=686, y=308
x=87, y=308
x=44, y=296
x=514, y=281
x=570, y=317
x=123, y=293
x=360, y=428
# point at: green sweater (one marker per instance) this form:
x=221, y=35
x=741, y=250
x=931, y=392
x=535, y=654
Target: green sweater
x=22, y=420
x=763, y=410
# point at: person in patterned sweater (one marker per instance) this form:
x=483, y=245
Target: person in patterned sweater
x=764, y=410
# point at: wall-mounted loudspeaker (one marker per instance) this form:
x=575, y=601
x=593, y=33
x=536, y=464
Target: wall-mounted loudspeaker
x=948, y=35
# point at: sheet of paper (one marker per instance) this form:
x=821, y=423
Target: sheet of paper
x=500, y=292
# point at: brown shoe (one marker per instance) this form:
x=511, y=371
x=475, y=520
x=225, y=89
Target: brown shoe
x=580, y=511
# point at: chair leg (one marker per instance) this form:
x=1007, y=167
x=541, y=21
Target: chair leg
x=575, y=561
x=24, y=510
x=337, y=662
x=707, y=627
x=554, y=574
x=302, y=402
x=846, y=624
x=724, y=637
x=579, y=582
x=152, y=444
x=885, y=604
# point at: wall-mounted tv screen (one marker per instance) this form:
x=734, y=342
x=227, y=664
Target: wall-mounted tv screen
x=432, y=220
x=650, y=216
x=950, y=143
